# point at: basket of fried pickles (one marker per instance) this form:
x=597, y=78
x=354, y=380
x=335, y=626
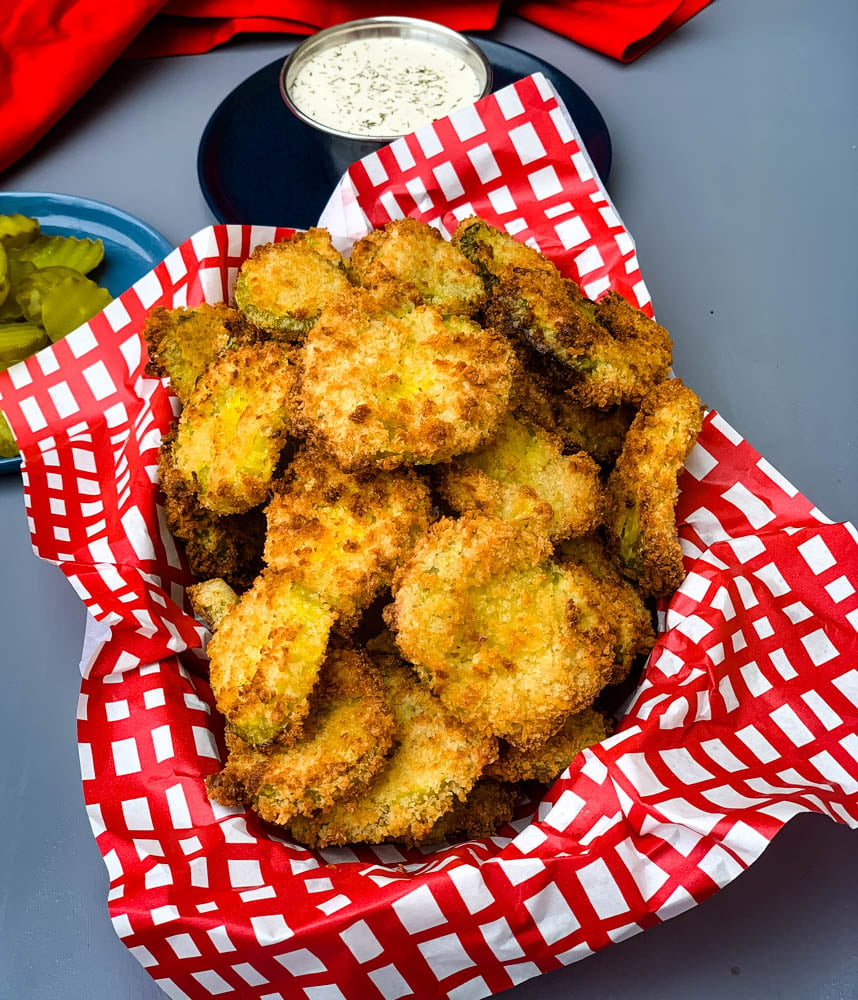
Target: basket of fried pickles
x=428, y=493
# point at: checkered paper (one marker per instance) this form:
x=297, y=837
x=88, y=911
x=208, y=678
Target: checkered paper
x=747, y=713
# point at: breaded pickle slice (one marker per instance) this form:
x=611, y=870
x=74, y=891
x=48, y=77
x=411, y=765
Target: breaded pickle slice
x=346, y=738
x=265, y=657
x=210, y=600
x=492, y=251
x=521, y=474
x=546, y=761
x=608, y=353
x=415, y=253
x=344, y=534
x=488, y=806
x=435, y=762
x=496, y=628
x=216, y=545
x=282, y=287
x=622, y=605
x=183, y=342
x=642, y=489
x=234, y=425
x=386, y=382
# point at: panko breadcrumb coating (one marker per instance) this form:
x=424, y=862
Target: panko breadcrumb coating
x=234, y=426
x=608, y=353
x=492, y=624
x=489, y=805
x=435, y=762
x=282, y=287
x=598, y=432
x=522, y=475
x=546, y=761
x=344, y=534
x=183, y=342
x=346, y=738
x=492, y=250
x=642, y=489
x=417, y=255
x=386, y=382
x=265, y=658
x=228, y=546
x=210, y=600
x=622, y=605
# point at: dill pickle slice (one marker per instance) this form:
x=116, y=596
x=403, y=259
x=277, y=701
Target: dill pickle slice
x=31, y=289
x=8, y=448
x=5, y=281
x=69, y=251
x=11, y=308
x=18, y=230
x=19, y=341
x=71, y=302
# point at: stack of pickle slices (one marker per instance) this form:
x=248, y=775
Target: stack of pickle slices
x=44, y=293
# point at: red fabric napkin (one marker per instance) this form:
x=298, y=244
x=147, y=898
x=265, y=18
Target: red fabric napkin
x=52, y=51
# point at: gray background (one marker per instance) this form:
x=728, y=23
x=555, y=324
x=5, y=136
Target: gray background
x=735, y=171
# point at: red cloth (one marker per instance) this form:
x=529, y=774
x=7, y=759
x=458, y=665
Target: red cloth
x=52, y=51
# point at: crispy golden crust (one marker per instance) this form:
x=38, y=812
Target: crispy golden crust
x=489, y=805
x=386, y=382
x=344, y=534
x=600, y=433
x=234, y=426
x=416, y=254
x=228, y=546
x=346, y=738
x=545, y=762
x=522, y=475
x=183, y=342
x=642, y=489
x=608, y=352
x=493, y=625
x=622, y=606
x=282, y=287
x=491, y=251
x=265, y=657
x=436, y=762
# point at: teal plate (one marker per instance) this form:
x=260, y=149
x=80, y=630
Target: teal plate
x=131, y=247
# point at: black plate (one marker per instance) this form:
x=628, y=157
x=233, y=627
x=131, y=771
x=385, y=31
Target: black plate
x=258, y=164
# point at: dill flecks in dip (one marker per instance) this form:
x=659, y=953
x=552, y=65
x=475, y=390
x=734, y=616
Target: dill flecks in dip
x=382, y=86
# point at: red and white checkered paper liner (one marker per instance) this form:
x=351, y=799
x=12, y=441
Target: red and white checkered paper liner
x=747, y=715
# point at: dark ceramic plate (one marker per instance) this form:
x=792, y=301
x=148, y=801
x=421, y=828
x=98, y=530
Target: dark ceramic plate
x=131, y=247
x=260, y=165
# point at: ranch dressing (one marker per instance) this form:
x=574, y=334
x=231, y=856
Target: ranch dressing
x=382, y=86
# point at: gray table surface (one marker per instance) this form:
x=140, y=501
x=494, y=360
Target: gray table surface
x=735, y=170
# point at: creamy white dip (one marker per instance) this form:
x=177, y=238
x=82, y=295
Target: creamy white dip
x=382, y=86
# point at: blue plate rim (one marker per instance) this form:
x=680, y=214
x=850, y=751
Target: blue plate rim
x=158, y=244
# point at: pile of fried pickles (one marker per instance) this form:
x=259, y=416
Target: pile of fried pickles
x=44, y=293
x=429, y=495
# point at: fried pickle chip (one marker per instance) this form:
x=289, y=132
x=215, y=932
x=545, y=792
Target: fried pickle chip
x=183, y=342
x=546, y=761
x=622, y=606
x=386, y=382
x=600, y=433
x=521, y=474
x=265, y=658
x=340, y=534
x=489, y=805
x=210, y=600
x=608, y=352
x=496, y=628
x=416, y=254
x=234, y=426
x=642, y=489
x=492, y=251
x=228, y=546
x=346, y=738
x=282, y=287
x=435, y=762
